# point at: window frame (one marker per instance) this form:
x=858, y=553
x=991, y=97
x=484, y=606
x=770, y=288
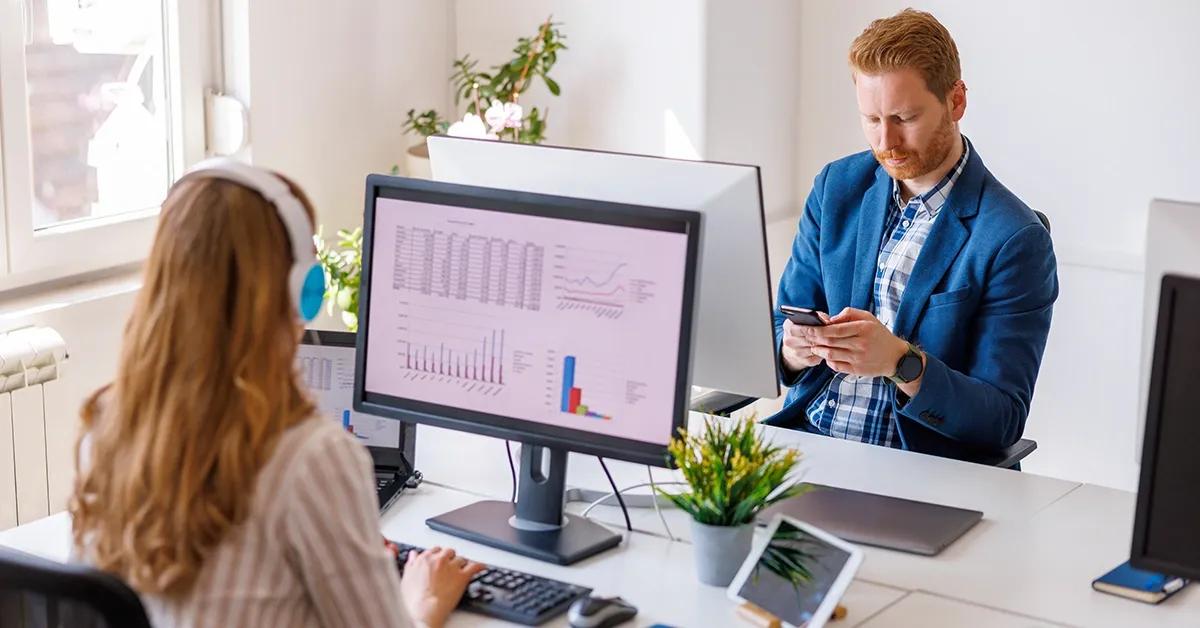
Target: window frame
x=28, y=256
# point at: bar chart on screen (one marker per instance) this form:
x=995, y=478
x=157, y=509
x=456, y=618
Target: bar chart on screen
x=572, y=395
x=454, y=346
x=371, y=430
x=585, y=388
x=348, y=425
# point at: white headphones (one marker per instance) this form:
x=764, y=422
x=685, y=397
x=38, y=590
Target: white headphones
x=306, y=280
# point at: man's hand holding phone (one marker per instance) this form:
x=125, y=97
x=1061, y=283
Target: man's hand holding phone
x=796, y=351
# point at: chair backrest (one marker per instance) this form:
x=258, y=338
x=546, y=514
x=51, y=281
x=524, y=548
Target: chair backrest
x=1042, y=217
x=39, y=593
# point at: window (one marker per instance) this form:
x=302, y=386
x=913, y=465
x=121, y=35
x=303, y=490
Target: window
x=101, y=108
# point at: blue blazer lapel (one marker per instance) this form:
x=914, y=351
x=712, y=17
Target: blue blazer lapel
x=945, y=240
x=940, y=250
x=871, y=216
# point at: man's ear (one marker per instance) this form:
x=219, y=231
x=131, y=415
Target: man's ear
x=957, y=100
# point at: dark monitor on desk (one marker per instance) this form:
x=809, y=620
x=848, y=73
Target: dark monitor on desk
x=1165, y=536
x=561, y=323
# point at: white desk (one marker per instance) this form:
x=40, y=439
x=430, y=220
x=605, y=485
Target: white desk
x=1029, y=563
x=931, y=611
x=1042, y=566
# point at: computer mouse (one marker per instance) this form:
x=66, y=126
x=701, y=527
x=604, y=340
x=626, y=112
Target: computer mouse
x=599, y=612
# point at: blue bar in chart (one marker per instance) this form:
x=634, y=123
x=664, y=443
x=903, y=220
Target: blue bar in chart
x=568, y=382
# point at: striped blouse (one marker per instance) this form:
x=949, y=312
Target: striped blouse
x=309, y=554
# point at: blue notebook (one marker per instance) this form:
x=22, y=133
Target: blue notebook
x=1137, y=584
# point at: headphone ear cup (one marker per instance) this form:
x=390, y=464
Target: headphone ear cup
x=307, y=284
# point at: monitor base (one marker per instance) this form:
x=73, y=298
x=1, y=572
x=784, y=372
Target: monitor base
x=488, y=522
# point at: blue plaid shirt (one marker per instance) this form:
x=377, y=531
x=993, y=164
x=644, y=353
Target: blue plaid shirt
x=860, y=408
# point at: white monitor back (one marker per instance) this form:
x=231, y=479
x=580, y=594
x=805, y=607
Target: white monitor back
x=734, y=342
x=1172, y=247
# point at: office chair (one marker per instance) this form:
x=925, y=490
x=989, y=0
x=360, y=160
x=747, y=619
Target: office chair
x=723, y=403
x=39, y=593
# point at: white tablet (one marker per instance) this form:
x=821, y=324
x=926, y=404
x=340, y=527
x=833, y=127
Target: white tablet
x=796, y=572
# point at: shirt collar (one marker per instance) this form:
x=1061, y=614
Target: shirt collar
x=933, y=200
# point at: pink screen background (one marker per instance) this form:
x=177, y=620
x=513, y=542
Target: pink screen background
x=491, y=311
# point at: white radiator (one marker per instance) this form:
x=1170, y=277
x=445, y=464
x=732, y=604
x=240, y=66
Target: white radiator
x=31, y=361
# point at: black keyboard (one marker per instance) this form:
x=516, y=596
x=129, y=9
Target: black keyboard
x=511, y=595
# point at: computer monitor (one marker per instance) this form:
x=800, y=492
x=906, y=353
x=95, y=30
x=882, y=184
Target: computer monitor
x=1168, y=509
x=561, y=323
x=325, y=359
x=735, y=332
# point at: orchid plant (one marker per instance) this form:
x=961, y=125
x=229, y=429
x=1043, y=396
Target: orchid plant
x=493, y=111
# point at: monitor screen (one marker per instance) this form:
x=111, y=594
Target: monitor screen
x=328, y=373
x=534, y=317
x=1168, y=507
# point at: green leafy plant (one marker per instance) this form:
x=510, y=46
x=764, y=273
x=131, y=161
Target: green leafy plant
x=486, y=92
x=732, y=472
x=425, y=123
x=343, y=273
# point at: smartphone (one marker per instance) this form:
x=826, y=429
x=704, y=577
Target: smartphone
x=802, y=316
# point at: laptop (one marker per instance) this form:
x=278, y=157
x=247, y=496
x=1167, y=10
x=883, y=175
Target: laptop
x=879, y=520
x=325, y=360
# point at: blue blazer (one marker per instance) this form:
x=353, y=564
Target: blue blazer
x=978, y=301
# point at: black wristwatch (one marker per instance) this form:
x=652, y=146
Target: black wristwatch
x=910, y=367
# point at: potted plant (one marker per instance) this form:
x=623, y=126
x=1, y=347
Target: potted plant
x=416, y=158
x=732, y=474
x=343, y=273
x=492, y=107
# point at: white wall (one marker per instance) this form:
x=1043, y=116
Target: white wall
x=1086, y=110
x=751, y=92
x=707, y=79
x=328, y=85
x=632, y=77
x=692, y=79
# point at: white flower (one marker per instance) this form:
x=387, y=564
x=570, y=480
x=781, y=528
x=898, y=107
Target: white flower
x=502, y=116
x=471, y=126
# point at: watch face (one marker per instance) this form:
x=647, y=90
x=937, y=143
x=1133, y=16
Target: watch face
x=909, y=368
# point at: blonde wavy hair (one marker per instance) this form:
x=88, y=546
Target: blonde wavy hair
x=204, y=388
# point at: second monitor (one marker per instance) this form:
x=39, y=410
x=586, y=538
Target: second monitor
x=735, y=332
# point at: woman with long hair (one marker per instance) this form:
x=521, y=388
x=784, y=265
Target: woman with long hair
x=205, y=479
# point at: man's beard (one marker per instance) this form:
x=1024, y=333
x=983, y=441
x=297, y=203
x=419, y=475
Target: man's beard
x=921, y=163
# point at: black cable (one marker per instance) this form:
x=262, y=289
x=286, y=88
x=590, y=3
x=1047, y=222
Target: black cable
x=624, y=511
x=512, y=468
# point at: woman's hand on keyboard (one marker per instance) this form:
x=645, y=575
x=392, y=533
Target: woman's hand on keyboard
x=434, y=582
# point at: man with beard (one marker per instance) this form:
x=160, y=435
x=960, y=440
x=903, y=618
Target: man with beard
x=940, y=280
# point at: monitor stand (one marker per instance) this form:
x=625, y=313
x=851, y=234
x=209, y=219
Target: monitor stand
x=536, y=525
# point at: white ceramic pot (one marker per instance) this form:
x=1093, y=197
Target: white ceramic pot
x=416, y=162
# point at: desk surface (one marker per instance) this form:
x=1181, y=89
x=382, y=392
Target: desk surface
x=931, y=611
x=478, y=464
x=1030, y=562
